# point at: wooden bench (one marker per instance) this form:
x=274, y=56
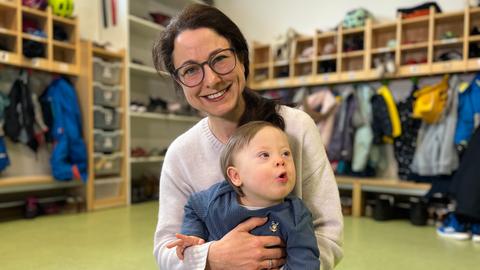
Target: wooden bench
x=359, y=185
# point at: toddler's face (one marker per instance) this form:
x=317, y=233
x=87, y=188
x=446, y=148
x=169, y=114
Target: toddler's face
x=265, y=169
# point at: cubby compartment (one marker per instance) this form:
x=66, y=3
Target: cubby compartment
x=8, y=43
x=415, y=31
x=8, y=17
x=281, y=70
x=304, y=50
x=106, y=72
x=353, y=40
x=34, y=23
x=474, y=23
x=353, y=63
x=106, y=95
x=260, y=74
x=261, y=54
x=384, y=38
x=303, y=68
x=449, y=27
x=64, y=30
x=107, y=142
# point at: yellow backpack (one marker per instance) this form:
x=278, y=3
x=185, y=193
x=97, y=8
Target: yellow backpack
x=430, y=101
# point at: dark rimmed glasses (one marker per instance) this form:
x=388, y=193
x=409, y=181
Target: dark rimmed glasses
x=191, y=74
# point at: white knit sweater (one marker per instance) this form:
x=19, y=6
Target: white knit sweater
x=192, y=164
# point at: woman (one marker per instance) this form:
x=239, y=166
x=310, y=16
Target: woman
x=208, y=56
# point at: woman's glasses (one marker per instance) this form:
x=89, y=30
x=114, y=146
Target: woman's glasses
x=192, y=74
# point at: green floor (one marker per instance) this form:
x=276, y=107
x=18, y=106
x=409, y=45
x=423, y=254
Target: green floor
x=122, y=239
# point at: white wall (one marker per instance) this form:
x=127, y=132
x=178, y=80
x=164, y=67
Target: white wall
x=262, y=20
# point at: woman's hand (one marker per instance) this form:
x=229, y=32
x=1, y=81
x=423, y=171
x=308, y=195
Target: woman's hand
x=184, y=241
x=239, y=249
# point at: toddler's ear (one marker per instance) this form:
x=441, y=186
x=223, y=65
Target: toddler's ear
x=234, y=176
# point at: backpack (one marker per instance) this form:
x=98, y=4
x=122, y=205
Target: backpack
x=20, y=115
x=69, y=155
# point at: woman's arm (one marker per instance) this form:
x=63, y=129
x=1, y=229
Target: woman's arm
x=241, y=250
x=173, y=196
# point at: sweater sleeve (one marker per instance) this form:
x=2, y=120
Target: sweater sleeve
x=194, y=218
x=302, y=250
x=173, y=197
x=318, y=189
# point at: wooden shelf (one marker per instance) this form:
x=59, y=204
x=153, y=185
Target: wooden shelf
x=357, y=65
x=34, y=38
x=353, y=54
x=166, y=117
x=35, y=12
x=353, y=30
x=474, y=38
x=137, y=160
x=144, y=27
x=327, y=57
x=382, y=26
x=261, y=65
x=383, y=50
x=6, y=4
x=414, y=46
x=65, y=21
x=447, y=42
x=417, y=20
x=8, y=32
x=64, y=45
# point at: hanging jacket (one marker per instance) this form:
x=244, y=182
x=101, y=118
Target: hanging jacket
x=362, y=122
x=341, y=143
x=406, y=143
x=321, y=106
x=435, y=153
x=69, y=155
x=20, y=115
x=468, y=111
x=4, y=160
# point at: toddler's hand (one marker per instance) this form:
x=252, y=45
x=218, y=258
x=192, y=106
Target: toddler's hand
x=183, y=242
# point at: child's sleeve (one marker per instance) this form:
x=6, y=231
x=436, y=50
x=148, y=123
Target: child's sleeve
x=301, y=243
x=193, y=219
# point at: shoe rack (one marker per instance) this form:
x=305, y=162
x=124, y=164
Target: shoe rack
x=436, y=43
x=59, y=56
x=151, y=125
x=103, y=98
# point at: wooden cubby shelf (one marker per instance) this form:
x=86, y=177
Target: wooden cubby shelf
x=436, y=43
x=59, y=56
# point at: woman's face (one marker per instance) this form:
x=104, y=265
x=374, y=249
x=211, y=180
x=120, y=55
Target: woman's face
x=217, y=95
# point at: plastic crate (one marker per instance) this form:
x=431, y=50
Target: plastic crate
x=107, y=164
x=104, y=141
x=106, y=95
x=107, y=187
x=106, y=72
x=106, y=118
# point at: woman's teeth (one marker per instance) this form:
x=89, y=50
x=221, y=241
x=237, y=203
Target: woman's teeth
x=217, y=95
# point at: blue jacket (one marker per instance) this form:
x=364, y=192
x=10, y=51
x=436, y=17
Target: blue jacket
x=468, y=106
x=69, y=155
x=212, y=213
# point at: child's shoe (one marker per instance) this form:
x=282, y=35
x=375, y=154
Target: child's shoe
x=452, y=228
x=476, y=232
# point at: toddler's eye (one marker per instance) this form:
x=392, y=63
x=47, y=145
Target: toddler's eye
x=264, y=155
x=286, y=153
